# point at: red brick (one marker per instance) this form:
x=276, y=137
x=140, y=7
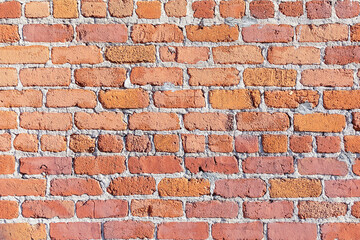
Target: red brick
x=340, y=231
x=46, y=165
x=319, y=122
x=156, y=76
x=328, y=144
x=26, y=142
x=327, y=77
x=7, y=164
x=184, y=187
x=22, y=187
x=268, y=33
x=322, y=166
x=208, y=121
x=347, y=9
x=154, y=121
x=10, y=9
x=124, y=98
x=246, y=144
x=221, y=164
x=179, y=99
x=183, y=230
x=45, y=77
x=342, y=99
x=105, y=165
x=342, y=55
x=48, y=33
x=190, y=55
x=128, y=229
x=314, y=209
x=100, y=77
x=262, y=9
x=268, y=209
x=356, y=120
x=356, y=167
x=102, y=208
x=268, y=165
x=46, y=121
x=298, y=231
x=193, y=143
x=75, y=186
x=204, y=8
x=230, y=188
x=102, y=120
x=318, y=9
x=262, y=121
x=9, y=33
x=355, y=210
x=60, y=98
x=47, y=209
x=75, y=230
x=293, y=55
x=145, y=33
x=301, y=144
x=136, y=143
x=232, y=231
x=342, y=188
x=110, y=143
x=292, y=9
x=132, y=186
x=238, y=54
x=212, y=209
x=76, y=55
x=220, y=143
x=166, y=143
x=213, y=77
x=9, y=210
x=154, y=164
x=101, y=33
x=14, y=231
x=23, y=98
x=156, y=208
x=232, y=8
x=213, y=33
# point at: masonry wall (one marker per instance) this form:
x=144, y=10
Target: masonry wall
x=170, y=119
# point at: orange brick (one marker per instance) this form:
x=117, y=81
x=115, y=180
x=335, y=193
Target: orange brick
x=110, y=143
x=59, y=98
x=292, y=55
x=238, y=54
x=45, y=76
x=212, y=209
x=24, y=54
x=295, y=188
x=154, y=121
x=154, y=164
x=220, y=143
x=262, y=121
x=232, y=8
x=81, y=143
x=175, y=8
x=322, y=33
x=214, y=33
x=65, y=9
x=191, y=55
x=269, y=77
x=291, y=98
x=166, y=143
x=203, y=8
x=7, y=164
x=183, y=187
x=144, y=33
x=95, y=9
x=130, y=54
x=328, y=144
x=100, y=77
x=5, y=142
x=342, y=99
x=8, y=77
x=301, y=144
x=274, y=143
x=26, y=142
x=352, y=144
x=156, y=76
x=102, y=120
x=53, y=143
x=132, y=186
x=76, y=55
x=124, y=98
x=156, y=208
x=24, y=98
x=291, y=9
x=319, y=122
x=8, y=120
x=315, y=209
x=46, y=121
x=10, y=209
x=101, y=208
x=10, y=9
x=48, y=209
x=213, y=76
x=99, y=165
x=23, y=231
x=9, y=33
x=179, y=99
x=224, y=99
x=120, y=9
x=193, y=143
x=149, y=10
x=22, y=187
x=267, y=33
x=129, y=230
x=327, y=77
x=208, y=121
x=37, y=9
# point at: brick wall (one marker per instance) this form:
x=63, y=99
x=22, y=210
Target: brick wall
x=175, y=119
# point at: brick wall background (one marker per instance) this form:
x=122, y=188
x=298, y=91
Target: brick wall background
x=175, y=119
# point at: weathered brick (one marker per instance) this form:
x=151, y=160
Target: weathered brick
x=262, y=121
x=47, y=209
x=60, y=98
x=124, y=98
x=130, y=54
x=154, y=121
x=268, y=33
x=278, y=230
x=10, y=210
x=8, y=77
x=220, y=143
x=166, y=143
x=100, y=77
x=102, y=120
x=342, y=55
x=24, y=54
x=175, y=8
x=45, y=77
x=7, y=164
x=106, y=165
x=221, y=164
x=82, y=143
x=269, y=77
x=322, y=33
x=318, y=9
x=291, y=98
x=246, y=144
x=8, y=119
x=322, y=166
x=10, y=9
x=26, y=142
x=13, y=231
x=9, y=33
x=183, y=187
x=120, y=9
x=65, y=9
x=37, y=9
x=179, y=99
x=352, y=144
x=156, y=76
x=319, y=122
x=295, y=188
x=204, y=8
x=75, y=186
x=145, y=33
x=291, y=9
x=156, y=208
x=190, y=55
x=193, y=143
x=214, y=33
x=213, y=76
x=342, y=99
x=53, y=143
x=268, y=209
x=232, y=8
x=208, y=121
x=340, y=231
x=293, y=55
x=46, y=165
x=342, y=188
x=301, y=144
x=328, y=144
x=132, y=186
x=22, y=187
x=101, y=208
x=95, y=9
x=314, y=209
x=212, y=209
x=268, y=165
x=224, y=99
x=347, y=9
x=139, y=143
x=110, y=143
x=23, y=98
x=262, y=9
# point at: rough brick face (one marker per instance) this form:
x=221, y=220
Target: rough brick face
x=179, y=119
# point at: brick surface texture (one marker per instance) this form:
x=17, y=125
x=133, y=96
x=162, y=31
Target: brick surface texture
x=180, y=119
